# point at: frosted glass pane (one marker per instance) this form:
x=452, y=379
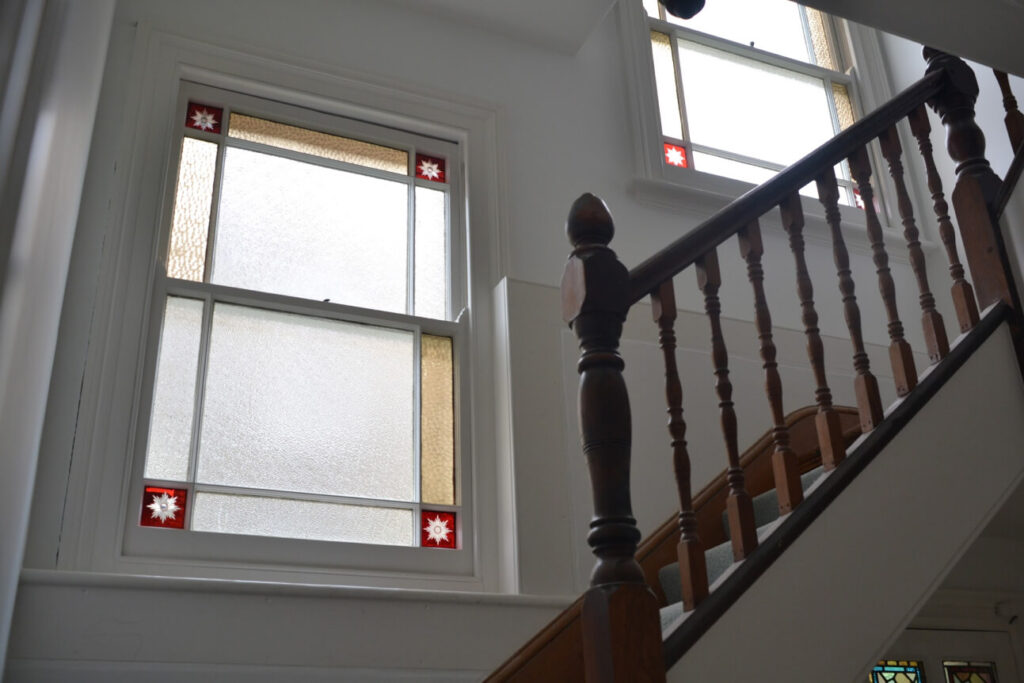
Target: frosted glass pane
x=174, y=393
x=431, y=296
x=437, y=421
x=304, y=230
x=651, y=7
x=190, y=225
x=772, y=25
x=743, y=106
x=319, y=144
x=295, y=403
x=289, y=518
x=709, y=163
x=665, y=81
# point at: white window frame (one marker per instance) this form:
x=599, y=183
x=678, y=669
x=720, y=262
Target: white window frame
x=660, y=184
x=105, y=482
x=153, y=541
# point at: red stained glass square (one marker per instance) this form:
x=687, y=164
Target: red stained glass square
x=203, y=117
x=676, y=156
x=163, y=507
x=430, y=168
x=437, y=529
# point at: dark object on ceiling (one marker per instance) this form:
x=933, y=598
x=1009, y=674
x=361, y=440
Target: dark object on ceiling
x=685, y=9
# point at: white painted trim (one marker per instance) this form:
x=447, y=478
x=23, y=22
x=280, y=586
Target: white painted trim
x=98, y=486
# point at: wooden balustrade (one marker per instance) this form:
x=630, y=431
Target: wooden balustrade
x=693, y=571
x=1014, y=119
x=621, y=637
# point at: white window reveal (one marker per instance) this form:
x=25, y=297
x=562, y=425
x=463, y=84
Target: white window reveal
x=304, y=353
x=748, y=87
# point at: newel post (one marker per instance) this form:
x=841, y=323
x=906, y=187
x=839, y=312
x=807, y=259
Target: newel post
x=977, y=185
x=621, y=629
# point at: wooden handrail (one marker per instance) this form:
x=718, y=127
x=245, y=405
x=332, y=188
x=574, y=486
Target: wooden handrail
x=679, y=255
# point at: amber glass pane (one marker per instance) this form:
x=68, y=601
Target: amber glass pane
x=437, y=421
x=819, y=39
x=318, y=144
x=665, y=81
x=186, y=257
x=844, y=108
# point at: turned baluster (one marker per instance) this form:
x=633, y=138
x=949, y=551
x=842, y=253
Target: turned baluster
x=830, y=432
x=784, y=466
x=931, y=320
x=621, y=630
x=869, y=402
x=900, y=354
x=693, y=572
x=962, y=292
x=739, y=507
x=1014, y=119
x=977, y=186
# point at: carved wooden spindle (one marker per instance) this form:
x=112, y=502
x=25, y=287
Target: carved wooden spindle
x=830, y=432
x=977, y=186
x=962, y=292
x=931, y=320
x=900, y=354
x=739, y=508
x=1014, y=119
x=869, y=402
x=621, y=629
x=787, y=477
x=693, y=571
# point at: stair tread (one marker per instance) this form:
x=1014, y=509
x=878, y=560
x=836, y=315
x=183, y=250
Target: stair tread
x=719, y=558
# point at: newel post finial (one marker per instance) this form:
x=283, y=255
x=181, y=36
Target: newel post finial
x=977, y=186
x=621, y=630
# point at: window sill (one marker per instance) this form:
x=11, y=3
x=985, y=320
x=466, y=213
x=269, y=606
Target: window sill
x=706, y=194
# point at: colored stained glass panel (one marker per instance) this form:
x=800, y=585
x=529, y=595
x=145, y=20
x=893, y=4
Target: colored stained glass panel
x=970, y=672
x=676, y=156
x=437, y=529
x=307, y=519
x=665, y=83
x=319, y=144
x=186, y=257
x=174, y=391
x=437, y=421
x=897, y=671
x=163, y=507
x=204, y=117
x=430, y=168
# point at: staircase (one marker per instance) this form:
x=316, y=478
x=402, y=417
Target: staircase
x=775, y=584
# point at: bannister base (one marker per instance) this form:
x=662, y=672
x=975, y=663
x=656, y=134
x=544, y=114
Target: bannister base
x=622, y=635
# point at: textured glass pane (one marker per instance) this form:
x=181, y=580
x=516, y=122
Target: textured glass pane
x=844, y=108
x=190, y=226
x=174, y=393
x=319, y=144
x=290, y=518
x=820, y=44
x=431, y=296
x=300, y=229
x=437, y=421
x=764, y=112
x=970, y=672
x=772, y=25
x=295, y=403
x=710, y=163
x=665, y=81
